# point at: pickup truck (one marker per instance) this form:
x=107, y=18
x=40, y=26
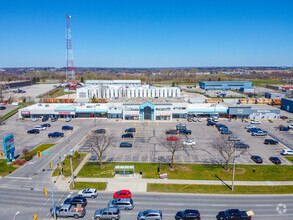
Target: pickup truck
x=68, y=210
x=231, y=214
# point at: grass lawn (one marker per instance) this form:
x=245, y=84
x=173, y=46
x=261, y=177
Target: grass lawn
x=195, y=171
x=85, y=185
x=5, y=168
x=42, y=148
x=66, y=167
x=219, y=189
x=290, y=158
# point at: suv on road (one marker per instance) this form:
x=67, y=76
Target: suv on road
x=188, y=214
x=76, y=200
x=150, y=214
x=233, y=214
x=270, y=142
x=89, y=192
x=226, y=131
x=123, y=203
x=107, y=213
x=55, y=134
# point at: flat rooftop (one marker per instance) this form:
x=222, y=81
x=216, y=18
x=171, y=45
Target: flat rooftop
x=142, y=100
x=253, y=106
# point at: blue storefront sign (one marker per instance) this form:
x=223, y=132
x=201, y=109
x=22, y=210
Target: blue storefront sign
x=9, y=147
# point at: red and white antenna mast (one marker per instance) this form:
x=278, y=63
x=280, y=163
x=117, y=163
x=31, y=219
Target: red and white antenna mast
x=70, y=73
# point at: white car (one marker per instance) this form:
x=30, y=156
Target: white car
x=189, y=143
x=249, y=126
x=199, y=119
x=35, y=119
x=68, y=119
x=89, y=193
x=255, y=122
x=287, y=152
x=290, y=126
x=40, y=128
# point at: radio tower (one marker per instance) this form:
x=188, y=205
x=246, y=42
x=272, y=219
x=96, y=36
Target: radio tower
x=70, y=73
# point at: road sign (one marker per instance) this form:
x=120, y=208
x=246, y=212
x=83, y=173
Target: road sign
x=46, y=153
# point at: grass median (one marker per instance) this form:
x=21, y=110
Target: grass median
x=5, y=168
x=218, y=189
x=76, y=160
x=195, y=171
x=42, y=148
x=84, y=185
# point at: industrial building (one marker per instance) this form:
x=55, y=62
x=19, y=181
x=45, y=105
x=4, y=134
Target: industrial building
x=247, y=90
x=287, y=104
x=275, y=95
x=224, y=85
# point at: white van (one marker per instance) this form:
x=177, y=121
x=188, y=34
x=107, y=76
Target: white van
x=215, y=119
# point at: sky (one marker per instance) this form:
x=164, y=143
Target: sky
x=147, y=33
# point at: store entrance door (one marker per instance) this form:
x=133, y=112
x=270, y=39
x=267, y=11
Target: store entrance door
x=147, y=113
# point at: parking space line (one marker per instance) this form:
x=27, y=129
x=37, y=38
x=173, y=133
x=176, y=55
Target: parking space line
x=199, y=158
x=165, y=158
x=106, y=158
x=157, y=123
x=115, y=158
x=140, y=158
x=148, y=158
x=191, y=158
x=123, y=157
x=131, y=157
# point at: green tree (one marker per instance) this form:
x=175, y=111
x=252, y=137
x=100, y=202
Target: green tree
x=173, y=84
x=81, y=79
x=94, y=100
x=219, y=79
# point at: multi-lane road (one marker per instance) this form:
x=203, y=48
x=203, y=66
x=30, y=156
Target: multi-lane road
x=29, y=202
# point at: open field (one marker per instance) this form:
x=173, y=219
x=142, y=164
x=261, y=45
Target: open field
x=5, y=168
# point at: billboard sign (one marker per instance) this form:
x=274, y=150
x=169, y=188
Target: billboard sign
x=8, y=143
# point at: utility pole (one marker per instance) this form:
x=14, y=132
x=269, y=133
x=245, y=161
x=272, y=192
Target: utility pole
x=53, y=201
x=61, y=164
x=70, y=155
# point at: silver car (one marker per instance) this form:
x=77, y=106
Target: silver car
x=88, y=193
x=122, y=203
x=150, y=215
x=107, y=213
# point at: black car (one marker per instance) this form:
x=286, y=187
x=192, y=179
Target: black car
x=100, y=131
x=184, y=131
x=33, y=131
x=210, y=123
x=172, y=132
x=76, y=200
x=256, y=159
x=275, y=160
x=125, y=144
x=127, y=135
x=241, y=145
x=53, y=119
x=188, y=214
x=66, y=127
x=2, y=107
x=271, y=142
x=56, y=134
x=45, y=119
x=130, y=130
x=46, y=125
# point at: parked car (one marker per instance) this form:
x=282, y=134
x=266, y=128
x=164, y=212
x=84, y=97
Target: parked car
x=220, y=125
x=150, y=214
x=231, y=214
x=270, y=142
x=233, y=138
x=122, y=194
x=222, y=128
x=130, y=130
x=33, y=131
x=184, y=131
x=226, y=132
x=122, y=203
x=100, y=131
x=256, y=159
x=259, y=133
x=284, y=129
x=54, y=119
x=255, y=122
x=68, y=119
x=35, y=119
x=68, y=210
x=215, y=119
x=45, y=119
x=199, y=119
x=76, y=200
x=189, y=119
x=172, y=132
x=253, y=129
x=2, y=107
x=210, y=123
x=125, y=144
x=127, y=135
x=290, y=126
x=46, y=125
x=249, y=126
x=275, y=160
x=180, y=126
x=107, y=213
x=188, y=214
x=89, y=193
x=287, y=152
x=66, y=127
x=55, y=134
x=188, y=143
x=283, y=117
x=241, y=145
x=41, y=128
x=194, y=119
x=172, y=138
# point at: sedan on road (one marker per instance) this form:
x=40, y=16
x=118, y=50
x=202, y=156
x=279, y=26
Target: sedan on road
x=256, y=159
x=241, y=145
x=122, y=194
x=33, y=131
x=188, y=214
x=35, y=119
x=150, y=214
x=172, y=138
x=255, y=122
x=55, y=134
x=253, y=129
x=89, y=193
x=66, y=127
x=76, y=200
x=188, y=143
x=275, y=160
x=2, y=107
x=270, y=142
x=290, y=126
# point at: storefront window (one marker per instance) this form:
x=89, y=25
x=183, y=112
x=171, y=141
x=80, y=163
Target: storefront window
x=179, y=115
x=163, y=117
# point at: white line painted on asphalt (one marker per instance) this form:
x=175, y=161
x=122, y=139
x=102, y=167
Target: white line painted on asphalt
x=218, y=205
x=264, y=205
x=175, y=204
x=20, y=178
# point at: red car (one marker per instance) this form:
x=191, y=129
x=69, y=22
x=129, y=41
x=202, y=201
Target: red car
x=283, y=117
x=172, y=138
x=122, y=194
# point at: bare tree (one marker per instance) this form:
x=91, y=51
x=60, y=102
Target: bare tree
x=226, y=149
x=171, y=145
x=99, y=143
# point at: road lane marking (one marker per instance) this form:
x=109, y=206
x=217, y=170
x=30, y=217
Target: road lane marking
x=190, y=158
x=19, y=178
x=175, y=204
x=264, y=205
x=219, y=205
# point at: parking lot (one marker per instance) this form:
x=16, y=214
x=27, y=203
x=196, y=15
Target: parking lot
x=146, y=147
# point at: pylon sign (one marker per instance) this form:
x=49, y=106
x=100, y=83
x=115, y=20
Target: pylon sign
x=9, y=147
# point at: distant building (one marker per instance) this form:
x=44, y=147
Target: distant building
x=247, y=90
x=275, y=95
x=287, y=105
x=113, y=82
x=224, y=85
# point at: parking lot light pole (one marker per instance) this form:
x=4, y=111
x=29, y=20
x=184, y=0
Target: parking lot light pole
x=235, y=156
x=60, y=158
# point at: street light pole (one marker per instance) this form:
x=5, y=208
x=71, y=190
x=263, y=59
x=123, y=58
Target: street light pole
x=16, y=214
x=235, y=156
x=70, y=155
